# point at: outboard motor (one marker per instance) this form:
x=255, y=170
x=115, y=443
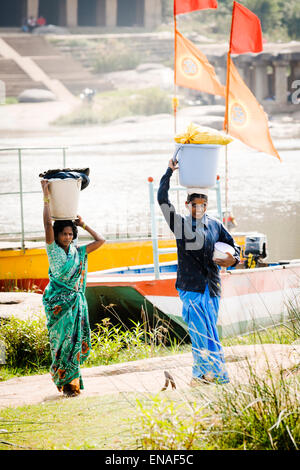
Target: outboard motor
x=255, y=249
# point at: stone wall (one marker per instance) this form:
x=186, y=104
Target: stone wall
x=273, y=75
x=105, y=12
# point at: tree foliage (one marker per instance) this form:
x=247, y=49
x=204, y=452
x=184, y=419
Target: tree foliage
x=275, y=15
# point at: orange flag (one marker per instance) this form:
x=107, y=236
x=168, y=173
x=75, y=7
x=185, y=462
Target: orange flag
x=186, y=6
x=192, y=69
x=245, y=118
x=246, y=34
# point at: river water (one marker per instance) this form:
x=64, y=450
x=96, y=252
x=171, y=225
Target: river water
x=264, y=193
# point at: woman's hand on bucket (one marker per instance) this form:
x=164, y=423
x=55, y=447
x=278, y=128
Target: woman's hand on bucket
x=45, y=187
x=99, y=240
x=172, y=164
x=79, y=222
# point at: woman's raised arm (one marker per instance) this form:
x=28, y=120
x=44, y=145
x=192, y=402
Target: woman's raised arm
x=99, y=240
x=49, y=232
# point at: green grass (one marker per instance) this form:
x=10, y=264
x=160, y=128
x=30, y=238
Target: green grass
x=28, y=353
x=28, y=350
x=11, y=100
x=9, y=372
x=26, y=341
x=66, y=424
x=114, y=56
x=262, y=414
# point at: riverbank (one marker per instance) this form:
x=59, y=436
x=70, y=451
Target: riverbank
x=31, y=122
x=138, y=147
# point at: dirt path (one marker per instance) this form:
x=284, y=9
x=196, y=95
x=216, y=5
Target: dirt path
x=147, y=376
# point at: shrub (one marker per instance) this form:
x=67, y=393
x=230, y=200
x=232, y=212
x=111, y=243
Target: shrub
x=26, y=342
x=262, y=415
x=163, y=424
x=116, y=343
x=151, y=101
x=83, y=115
x=143, y=102
x=112, y=106
x=112, y=55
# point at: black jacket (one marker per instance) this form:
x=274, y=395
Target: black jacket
x=195, y=241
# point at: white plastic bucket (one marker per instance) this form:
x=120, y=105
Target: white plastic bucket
x=64, y=198
x=198, y=164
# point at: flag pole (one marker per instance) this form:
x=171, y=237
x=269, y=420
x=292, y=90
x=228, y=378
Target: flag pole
x=226, y=147
x=226, y=119
x=175, y=101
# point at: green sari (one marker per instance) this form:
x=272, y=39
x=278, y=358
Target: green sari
x=67, y=313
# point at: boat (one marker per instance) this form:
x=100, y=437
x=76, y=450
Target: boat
x=28, y=268
x=133, y=280
x=251, y=299
x=254, y=294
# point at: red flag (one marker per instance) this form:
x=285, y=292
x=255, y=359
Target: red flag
x=192, y=69
x=186, y=6
x=245, y=117
x=246, y=34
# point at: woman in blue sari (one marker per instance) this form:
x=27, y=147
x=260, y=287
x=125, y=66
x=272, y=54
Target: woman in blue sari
x=64, y=298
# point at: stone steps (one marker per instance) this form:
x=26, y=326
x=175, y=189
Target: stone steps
x=153, y=50
x=51, y=61
x=62, y=67
x=71, y=73
x=31, y=46
x=15, y=79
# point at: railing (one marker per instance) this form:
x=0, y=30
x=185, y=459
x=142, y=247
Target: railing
x=160, y=251
x=21, y=192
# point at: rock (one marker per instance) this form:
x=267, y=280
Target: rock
x=215, y=122
x=127, y=120
x=140, y=118
x=148, y=66
x=51, y=29
x=204, y=110
x=36, y=95
x=158, y=76
x=22, y=305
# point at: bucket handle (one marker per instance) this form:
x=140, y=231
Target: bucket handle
x=176, y=152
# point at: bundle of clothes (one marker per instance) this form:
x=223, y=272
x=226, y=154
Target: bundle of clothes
x=64, y=173
x=200, y=135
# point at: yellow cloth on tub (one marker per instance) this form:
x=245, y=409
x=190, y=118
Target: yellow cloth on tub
x=194, y=135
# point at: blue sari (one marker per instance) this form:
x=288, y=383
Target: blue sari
x=200, y=312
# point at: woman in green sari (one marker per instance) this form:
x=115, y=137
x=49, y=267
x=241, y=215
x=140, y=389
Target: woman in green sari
x=64, y=300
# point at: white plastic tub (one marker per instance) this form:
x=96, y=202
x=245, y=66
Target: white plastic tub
x=64, y=198
x=198, y=164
